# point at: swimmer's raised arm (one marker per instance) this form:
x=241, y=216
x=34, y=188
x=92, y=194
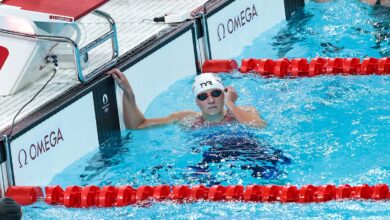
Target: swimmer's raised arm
x=245, y=115
x=133, y=117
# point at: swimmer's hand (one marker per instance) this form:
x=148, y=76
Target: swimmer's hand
x=121, y=79
x=230, y=94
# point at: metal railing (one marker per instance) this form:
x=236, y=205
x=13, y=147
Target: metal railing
x=78, y=53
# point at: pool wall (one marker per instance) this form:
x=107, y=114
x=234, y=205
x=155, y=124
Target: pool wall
x=83, y=118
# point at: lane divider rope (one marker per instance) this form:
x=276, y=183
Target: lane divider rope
x=301, y=67
x=118, y=196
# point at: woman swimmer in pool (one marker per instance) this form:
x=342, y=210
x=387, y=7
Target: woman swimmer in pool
x=210, y=95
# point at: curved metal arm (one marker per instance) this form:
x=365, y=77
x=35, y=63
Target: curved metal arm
x=78, y=53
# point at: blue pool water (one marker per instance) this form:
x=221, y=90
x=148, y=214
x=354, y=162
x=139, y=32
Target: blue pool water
x=321, y=130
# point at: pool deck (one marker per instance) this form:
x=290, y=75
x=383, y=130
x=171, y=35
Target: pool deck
x=134, y=26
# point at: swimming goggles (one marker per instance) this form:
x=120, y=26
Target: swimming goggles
x=215, y=93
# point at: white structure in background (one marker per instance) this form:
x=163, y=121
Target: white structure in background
x=30, y=32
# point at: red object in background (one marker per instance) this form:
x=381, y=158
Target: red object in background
x=380, y=192
x=362, y=192
x=144, y=193
x=217, y=66
x=369, y=66
x=180, y=193
x=265, y=67
x=217, y=193
x=299, y=67
x=253, y=193
x=161, y=192
x=71, y=8
x=234, y=193
x=24, y=195
x=334, y=65
x=3, y=55
x=72, y=197
x=54, y=195
x=343, y=192
x=325, y=193
x=125, y=196
x=383, y=65
x=289, y=194
x=199, y=193
x=271, y=193
x=306, y=193
x=281, y=67
x=248, y=65
x=90, y=196
x=107, y=196
x=317, y=66
x=351, y=66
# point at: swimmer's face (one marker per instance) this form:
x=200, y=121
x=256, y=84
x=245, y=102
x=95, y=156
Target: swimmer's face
x=211, y=101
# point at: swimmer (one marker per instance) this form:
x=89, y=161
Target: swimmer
x=211, y=96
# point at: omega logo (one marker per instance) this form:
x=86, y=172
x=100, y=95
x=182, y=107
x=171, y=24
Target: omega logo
x=39, y=148
x=233, y=24
x=3, y=55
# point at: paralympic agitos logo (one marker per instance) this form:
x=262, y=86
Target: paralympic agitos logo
x=233, y=24
x=39, y=148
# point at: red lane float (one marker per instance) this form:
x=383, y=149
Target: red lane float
x=125, y=196
x=89, y=196
x=384, y=65
x=215, y=66
x=24, y=195
x=54, y=195
x=111, y=196
x=351, y=66
x=301, y=67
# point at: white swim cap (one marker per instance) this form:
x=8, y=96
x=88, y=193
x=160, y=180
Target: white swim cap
x=206, y=81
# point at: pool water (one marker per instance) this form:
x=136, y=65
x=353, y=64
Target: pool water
x=321, y=130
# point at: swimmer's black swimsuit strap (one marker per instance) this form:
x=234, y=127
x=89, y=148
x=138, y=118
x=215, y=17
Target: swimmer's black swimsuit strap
x=378, y=2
